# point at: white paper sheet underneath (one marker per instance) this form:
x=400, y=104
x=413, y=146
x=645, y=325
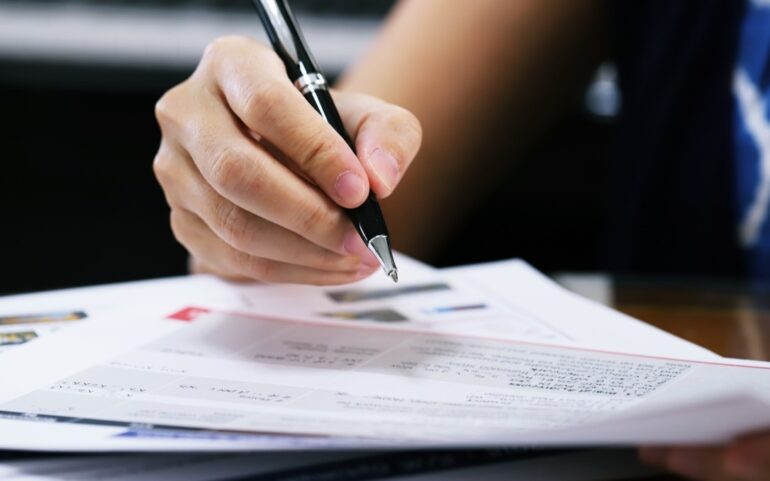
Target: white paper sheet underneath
x=176, y=467
x=397, y=388
x=158, y=297
x=511, y=301
x=505, y=300
x=161, y=296
x=567, y=318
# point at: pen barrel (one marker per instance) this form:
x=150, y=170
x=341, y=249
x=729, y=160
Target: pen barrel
x=286, y=38
x=322, y=102
x=367, y=217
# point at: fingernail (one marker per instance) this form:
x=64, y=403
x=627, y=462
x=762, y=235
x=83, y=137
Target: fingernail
x=744, y=463
x=385, y=166
x=355, y=246
x=685, y=463
x=350, y=187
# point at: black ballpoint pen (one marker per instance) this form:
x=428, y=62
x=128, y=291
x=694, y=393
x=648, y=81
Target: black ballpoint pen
x=288, y=43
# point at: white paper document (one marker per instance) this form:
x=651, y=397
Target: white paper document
x=28, y=317
x=487, y=355
x=504, y=300
x=216, y=380
x=557, y=316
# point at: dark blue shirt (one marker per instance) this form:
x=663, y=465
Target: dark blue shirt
x=673, y=207
x=751, y=137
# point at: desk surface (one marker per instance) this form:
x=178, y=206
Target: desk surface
x=730, y=319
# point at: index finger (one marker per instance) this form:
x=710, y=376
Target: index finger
x=255, y=85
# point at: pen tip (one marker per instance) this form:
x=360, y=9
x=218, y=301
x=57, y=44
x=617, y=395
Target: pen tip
x=393, y=275
x=380, y=247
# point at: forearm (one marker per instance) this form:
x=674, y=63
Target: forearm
x=473, y=71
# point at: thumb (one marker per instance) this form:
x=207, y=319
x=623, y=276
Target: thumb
x=387, y=138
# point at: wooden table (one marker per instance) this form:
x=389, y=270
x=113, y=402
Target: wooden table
x=729, y=318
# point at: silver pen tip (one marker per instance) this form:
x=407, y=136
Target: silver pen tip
x=380, y=247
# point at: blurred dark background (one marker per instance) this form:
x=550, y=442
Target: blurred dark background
x=78, y=82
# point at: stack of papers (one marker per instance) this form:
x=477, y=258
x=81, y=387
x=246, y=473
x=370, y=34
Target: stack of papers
x=482, y=356
x=436, y=465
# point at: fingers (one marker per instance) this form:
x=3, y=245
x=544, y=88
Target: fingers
x=186, y=189
x=245, y=174
x=196, y=266
x=692, y=463
x=749, y=457
x=219, y=257
x=744, y=461
x=255, y=85
x=387, y=138
x=248, y=166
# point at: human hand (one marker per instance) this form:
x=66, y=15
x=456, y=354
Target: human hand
x=256, y=178
x=746, y=459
